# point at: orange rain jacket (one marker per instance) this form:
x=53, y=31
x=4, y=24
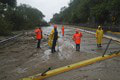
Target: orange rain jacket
x=38, y=33
x=77, y=37
x=62, y=31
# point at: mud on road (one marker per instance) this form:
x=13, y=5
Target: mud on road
x=23, y=59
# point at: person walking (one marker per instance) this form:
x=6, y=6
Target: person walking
x=55, y=38
x=38, y=33
x=99, y=36
x=62, y=29
x=77, y=38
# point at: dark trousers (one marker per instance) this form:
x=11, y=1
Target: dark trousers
x=99, y=45
x=53, y=46
x=77, y=47
x=38, y=44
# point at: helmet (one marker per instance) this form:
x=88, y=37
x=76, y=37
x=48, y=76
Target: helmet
x=55, y=26
x=99, y=26
x=77, y=30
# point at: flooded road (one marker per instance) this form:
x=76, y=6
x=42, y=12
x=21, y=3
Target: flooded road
x=23, y=59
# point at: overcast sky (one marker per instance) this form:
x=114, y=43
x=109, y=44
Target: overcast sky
x=48, y=7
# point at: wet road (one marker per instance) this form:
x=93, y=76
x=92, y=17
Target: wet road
x=22, y=59
x=106, y=70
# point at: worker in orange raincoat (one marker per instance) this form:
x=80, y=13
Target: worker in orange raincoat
x=77, y=38
x=99, y=36
x=38, y=33
x=62, y=29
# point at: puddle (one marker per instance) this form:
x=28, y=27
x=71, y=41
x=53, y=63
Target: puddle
x=46, y=55
x=21, y=70
x=65, y=49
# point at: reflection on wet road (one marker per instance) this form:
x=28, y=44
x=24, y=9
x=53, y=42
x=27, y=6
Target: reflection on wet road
x=22, y=59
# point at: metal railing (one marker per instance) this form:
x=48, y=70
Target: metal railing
x=9, y=39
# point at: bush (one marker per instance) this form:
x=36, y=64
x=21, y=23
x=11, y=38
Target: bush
x=21, y=17
x=5, y=27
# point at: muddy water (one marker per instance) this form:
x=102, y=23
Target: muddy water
x=22, y=59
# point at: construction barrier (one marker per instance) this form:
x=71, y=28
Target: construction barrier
x=71, y=67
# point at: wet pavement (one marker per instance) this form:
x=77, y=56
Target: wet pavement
x=22, y=59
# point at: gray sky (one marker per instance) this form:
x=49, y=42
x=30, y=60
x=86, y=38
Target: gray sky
x=48, y=7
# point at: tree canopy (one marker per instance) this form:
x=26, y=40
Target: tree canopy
x=20, y=17
x=9, y=2
x=93, y=11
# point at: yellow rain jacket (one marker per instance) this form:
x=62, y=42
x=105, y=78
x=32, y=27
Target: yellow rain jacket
x=99, y=36
x=50, y=39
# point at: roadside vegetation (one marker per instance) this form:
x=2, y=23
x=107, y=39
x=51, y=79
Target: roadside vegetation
x=13, y=17
x=90, y=13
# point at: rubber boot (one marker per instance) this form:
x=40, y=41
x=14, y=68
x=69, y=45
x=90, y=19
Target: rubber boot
x=100, y=45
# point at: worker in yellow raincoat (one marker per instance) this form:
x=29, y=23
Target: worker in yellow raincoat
x=53, y=37
x=50, y=39
x=99, y=36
